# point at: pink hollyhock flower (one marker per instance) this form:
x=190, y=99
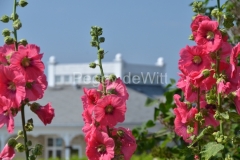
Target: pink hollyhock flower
x=196, y=22
x=225, y=52
x=90, y=99
x=234, y=60
x=100, y=147
x=5, y=104
x=116, y=87
x=209, y=36
x=35, y=88
x=184, y=117
x=12, y=85
x=45, y=113
x=5, y=53
x=208, y=112
x=224, y=87
x=7, y=118
x=7, y=153
x=28, y=61
x=193, y=59
x=110, y=110
x=128, y=142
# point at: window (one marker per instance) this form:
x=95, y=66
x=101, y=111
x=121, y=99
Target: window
x=66, y=78
x=58, y=79
x=54, y=148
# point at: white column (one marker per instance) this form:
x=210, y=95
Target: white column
x=67, y=145
x=51, y=71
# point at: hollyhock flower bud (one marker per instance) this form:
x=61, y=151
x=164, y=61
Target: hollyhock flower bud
x=206, y=73
x=92, y=65
x=20, y=147
x=112, y=77
x=101, y=39
x=4, y=19
x=12, y=142
x=23, y=42
x=45, y=113
x=22, y=3
x=6, y=32
x=14, y=18
x=94, y=43
x=17, y=24
x=8, y=40
x=38, y=149
x=7, y=153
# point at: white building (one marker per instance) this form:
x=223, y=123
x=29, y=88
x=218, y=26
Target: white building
x=64, y=137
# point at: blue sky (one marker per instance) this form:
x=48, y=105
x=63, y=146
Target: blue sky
x=141, y=30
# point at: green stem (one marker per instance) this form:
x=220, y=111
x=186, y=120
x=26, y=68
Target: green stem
x=24, y=131
x=218, y=4
x=101, y=69
x=198, y=108
x=14, y=30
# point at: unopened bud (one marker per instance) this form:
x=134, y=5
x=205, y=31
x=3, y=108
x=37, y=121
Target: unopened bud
x=93, y=43
x=101, y=39
x=99, y=31
x=112, y=77
x=29, y=143
x=92, y=65
x=6, y=32
x=206, y=73
x=23, y=42
x=12, y=142
x=20, y=133
x=22, y=3
x=32, y=157
x=98, y=78
x=14, y=18
x=191, y=37
x=101, y=51
x=38, y=149
x=8, y=40
x=20, y=147
x=17, y=24
x=190, y=129
x=4, y=19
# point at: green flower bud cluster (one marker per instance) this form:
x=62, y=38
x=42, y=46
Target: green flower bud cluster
x=29, y=125
x=211, y=96
x=219, y=137
x=198, y=7
x=199, y=117
x=92, y=65
x=12, y=142
x=95, y=33
x=20, y=147
x=101, y=53
x=37, y=150
x=22, y=3
x=228, y=20
x=216, y=13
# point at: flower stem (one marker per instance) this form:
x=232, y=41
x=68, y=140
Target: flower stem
x=101, y=69
x=14, y=30
x=198, y=108
x=24, y=131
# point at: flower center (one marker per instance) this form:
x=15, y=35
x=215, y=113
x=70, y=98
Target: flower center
x=25, y=62
x=101, y=148
x=109, y=109
x=197, y=59
x=210, y=35
x=11, y=86
x=29, y=85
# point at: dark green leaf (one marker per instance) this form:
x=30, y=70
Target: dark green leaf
x=156, y=113
x=173, y=81
x=150, y=123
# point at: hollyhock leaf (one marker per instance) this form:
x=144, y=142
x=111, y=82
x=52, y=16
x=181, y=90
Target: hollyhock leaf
x=150, y=124
x=150, y=102
x=225, y=115
x=162, y=107
x=234, y=116
x=156, y=113
x=173, y=81
x=211, y=149
x=205, y=130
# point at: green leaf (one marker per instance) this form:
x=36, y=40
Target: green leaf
x=169, y=97
x=234, y=116
x=150, y=102
x=156, y=113
x=173, y=81
x=225, y=115
x=211, y=149
x=150, y=123
x=205, y=130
